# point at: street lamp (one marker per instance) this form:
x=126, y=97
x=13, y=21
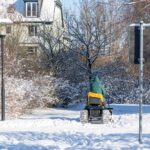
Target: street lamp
x=2, y=36
x=3, y=22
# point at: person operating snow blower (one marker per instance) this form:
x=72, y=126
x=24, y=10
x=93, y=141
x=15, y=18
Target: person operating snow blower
x=95, y=110
x=97, y=89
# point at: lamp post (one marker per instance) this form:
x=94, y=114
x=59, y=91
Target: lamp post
x=2, y=79
x=3, y=22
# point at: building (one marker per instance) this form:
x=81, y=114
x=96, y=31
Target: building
x=31, y=16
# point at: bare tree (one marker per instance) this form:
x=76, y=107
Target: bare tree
x=140, y=10
x=51, y=44
x=93, y=33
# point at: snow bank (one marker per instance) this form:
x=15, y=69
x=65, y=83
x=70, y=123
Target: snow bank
x=41, y=91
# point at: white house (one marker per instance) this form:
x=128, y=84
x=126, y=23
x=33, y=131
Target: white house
x=30, y=15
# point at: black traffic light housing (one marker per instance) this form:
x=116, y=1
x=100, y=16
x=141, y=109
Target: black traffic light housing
x=137, y=45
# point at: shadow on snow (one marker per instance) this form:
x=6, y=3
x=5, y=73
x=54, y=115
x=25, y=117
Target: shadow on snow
x=78, y=141
x=129, y=109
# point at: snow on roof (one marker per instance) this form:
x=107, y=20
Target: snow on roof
x=3, y=17
x=5, y=21
x=46, y=13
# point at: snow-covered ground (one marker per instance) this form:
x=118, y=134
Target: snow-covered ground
x=58, y=129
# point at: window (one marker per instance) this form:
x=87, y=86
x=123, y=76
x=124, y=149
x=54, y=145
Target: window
x=34, y=9
x=31, y=9
x=32, y=30
x=8, y=29
x=32, y=50
x=28, y=9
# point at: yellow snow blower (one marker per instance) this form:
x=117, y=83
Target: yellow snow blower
x=96, y=109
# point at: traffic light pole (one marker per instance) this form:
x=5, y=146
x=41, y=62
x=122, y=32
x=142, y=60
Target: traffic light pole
x=141, y=62
x=141, y=82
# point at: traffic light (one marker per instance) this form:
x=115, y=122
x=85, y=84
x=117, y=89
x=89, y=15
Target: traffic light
x=136, y=45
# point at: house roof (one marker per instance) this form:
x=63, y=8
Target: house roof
x=3, y=16
x=46, y=13
x=5, y=21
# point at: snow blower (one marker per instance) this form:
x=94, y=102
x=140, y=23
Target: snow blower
x=96, y=110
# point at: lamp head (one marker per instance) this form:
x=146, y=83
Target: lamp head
x=2, y=35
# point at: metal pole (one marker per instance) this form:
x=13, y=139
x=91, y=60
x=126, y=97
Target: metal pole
x=141, y=82
x=2, y=80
